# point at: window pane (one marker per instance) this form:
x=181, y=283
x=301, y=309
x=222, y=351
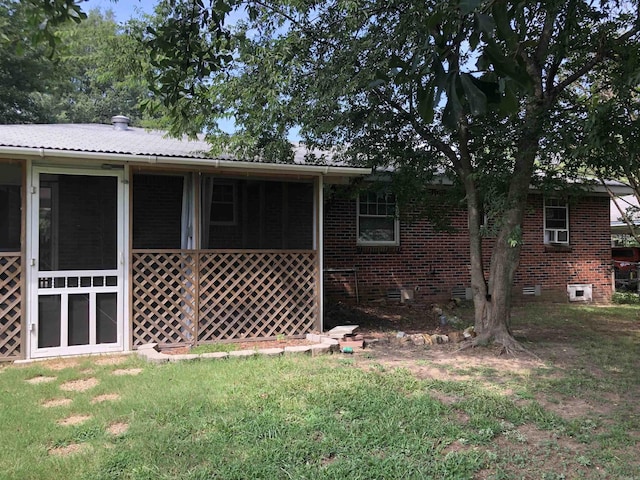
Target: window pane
x=79, y=319
x=556, y=218
x=377, y=229
x=49, y=321
x=106, y=317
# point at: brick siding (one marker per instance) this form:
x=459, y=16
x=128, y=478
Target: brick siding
x=432, y=263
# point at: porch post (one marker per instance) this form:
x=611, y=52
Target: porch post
x=319, y=213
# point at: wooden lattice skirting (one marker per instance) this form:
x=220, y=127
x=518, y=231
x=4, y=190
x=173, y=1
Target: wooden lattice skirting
x=10, y=307
x=186, y=297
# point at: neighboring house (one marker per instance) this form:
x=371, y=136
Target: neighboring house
x=112, y=237
x=371, y=253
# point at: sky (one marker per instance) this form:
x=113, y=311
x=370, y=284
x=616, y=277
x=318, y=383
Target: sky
x=123, y=9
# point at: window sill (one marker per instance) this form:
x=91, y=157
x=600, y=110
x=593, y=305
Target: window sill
x=378, y=248
x=558, y=247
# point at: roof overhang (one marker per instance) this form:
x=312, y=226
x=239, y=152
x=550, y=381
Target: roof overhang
x=330, y=173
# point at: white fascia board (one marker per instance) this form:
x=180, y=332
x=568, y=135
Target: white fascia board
x=328, y=171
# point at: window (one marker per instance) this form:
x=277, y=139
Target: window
x=223, y=204
x=556, y=221
x=377, y=219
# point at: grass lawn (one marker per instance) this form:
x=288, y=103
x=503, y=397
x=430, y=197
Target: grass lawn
x=421, y=413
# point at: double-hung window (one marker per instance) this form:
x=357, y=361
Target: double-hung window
x=556, y=221
x=377, y=219
x=223, y=204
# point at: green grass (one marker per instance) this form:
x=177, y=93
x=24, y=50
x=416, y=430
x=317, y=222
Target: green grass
x=335, y=418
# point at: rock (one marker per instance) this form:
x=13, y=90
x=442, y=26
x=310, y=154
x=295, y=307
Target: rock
x=439, y=339
x=456, y=337
x=469, y=332
x=417, y=339
x=427, y=339
x=437, y=311
x=400, y=335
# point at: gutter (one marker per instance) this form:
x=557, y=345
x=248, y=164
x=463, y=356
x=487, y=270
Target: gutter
x=53, y=154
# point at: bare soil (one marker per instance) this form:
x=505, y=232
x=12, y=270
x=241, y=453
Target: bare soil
x=74, y=420
x=80, y=385
x=107, y=397
x=127, y=371
x=68, y=449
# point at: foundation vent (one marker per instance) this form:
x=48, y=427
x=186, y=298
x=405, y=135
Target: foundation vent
x=533, y=290
x=463, y=293
x=580, y=292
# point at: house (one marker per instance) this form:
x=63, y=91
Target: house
x=370, y=253
x=112, y=237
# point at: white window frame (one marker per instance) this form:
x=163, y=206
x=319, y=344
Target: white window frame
x=234, y=205
x=396, y=226
x=555, y=232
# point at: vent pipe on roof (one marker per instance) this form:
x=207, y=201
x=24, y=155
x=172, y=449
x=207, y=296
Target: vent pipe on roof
x=120, y=122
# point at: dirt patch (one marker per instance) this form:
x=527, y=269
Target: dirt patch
x=107, y=397
x=57, y=402
x=67, y=450
x=127, y=371
x=40, y=379
x=118, y=428
x=81, y=385
x=111, y=360
x=74, y=420
x=61, y=364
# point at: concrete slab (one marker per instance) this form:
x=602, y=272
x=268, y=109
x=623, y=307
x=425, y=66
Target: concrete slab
x=183, y=357
x=215, y=355
x=298, y=349
x=341, y=330
x=242, y=353
x=270, y=352
x=320, y=349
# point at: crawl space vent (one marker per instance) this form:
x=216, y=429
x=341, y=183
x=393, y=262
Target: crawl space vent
x=580, y=292
x=462, y=293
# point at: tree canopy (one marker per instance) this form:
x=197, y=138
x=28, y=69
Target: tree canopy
x=487, y=92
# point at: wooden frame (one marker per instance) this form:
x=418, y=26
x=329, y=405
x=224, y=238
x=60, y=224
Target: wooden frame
x=13, y=321
x=195, y=297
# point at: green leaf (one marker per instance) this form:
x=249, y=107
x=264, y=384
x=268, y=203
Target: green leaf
x=468, y=6
x=425, y=104
x=475, y=97
x=485, y=23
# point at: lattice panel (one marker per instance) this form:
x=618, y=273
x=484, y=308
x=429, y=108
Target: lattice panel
x=249, y=295
x=10, y=308
x=164, y=298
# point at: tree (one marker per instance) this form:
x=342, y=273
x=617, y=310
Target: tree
x=24, y=68
x=100, y=70
x=479, y=90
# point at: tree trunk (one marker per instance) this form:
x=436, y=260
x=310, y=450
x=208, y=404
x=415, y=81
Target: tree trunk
x=492, y=296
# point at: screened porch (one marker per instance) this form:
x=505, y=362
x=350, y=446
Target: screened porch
x=222, y=258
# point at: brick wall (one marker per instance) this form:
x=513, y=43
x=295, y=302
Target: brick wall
x=432, y=263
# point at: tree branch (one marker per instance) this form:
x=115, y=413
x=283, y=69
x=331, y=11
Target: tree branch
x=424, y=132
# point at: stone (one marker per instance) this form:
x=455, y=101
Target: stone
x=183, y=357
x=427, y=339
x=320, y=349
x=215, y=355
x=456, y=337
x=270, y=352
x=341, y=331
x=417, y=339
x=242, y=353
x=469, y=332
x=298, y=349
x=439, y=339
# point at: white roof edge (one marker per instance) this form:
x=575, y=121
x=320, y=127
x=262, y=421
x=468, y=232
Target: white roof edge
x=54, y=154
